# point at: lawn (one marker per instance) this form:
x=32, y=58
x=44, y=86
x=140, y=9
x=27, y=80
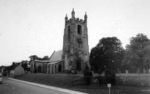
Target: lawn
x=75, y=82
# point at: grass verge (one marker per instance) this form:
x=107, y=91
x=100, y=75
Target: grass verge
x=75, y=82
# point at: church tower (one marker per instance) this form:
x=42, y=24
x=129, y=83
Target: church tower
x=75, y=43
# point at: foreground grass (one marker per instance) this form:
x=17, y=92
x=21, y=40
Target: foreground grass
x=75, y=82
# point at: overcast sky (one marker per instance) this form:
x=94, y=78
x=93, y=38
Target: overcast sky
x=29, y=27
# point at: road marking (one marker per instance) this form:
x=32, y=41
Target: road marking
x=50, y=87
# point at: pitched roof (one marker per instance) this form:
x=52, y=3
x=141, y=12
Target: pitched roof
x=56, y=56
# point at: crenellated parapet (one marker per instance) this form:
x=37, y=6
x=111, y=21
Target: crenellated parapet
x=74, y=19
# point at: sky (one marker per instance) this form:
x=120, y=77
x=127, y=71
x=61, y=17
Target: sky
x=36, y=27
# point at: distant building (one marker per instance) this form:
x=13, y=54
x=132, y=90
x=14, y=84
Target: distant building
x=17, y=70
x=1, y=69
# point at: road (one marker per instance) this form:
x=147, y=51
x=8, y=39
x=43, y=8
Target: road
x=10, y=86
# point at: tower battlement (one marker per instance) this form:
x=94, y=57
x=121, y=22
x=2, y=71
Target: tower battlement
x=77, y=20
x=74, y=19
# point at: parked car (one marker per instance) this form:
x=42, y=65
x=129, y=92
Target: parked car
x=1, y=79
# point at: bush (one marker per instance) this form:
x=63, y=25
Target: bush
x=108, y=77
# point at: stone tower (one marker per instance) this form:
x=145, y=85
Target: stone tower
x=75, y=43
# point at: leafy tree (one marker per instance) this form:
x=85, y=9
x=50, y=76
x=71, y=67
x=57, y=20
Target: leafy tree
x=24, y=64
x=107, y=55
x=135, y=53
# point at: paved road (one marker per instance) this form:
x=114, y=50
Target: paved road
x=10, y=86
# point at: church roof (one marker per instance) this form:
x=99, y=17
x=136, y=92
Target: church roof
x=42, y=61
x=56, y=56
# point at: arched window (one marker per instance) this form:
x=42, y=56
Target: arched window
x=39, y=69
x=59, y=68
x=79, y=41
x=69, y=33
x=79, y=29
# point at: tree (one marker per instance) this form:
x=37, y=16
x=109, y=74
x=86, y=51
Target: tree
x=135, y=53
x=24, y=64
x=107, y=54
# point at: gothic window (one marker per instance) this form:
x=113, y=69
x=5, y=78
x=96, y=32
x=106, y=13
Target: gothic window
x=69, y=33
x=59, y=68
x=79, y=41
x=39, y=69
x=80, y=45
x=79, y=30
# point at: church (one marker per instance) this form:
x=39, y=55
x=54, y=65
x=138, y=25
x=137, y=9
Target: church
x=74, y=56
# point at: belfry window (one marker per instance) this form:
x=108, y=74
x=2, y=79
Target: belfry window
x=69, y=33
x=79, y=30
